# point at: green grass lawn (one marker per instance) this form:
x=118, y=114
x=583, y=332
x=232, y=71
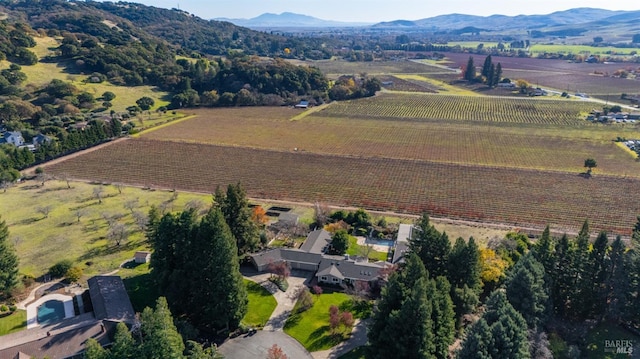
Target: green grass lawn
x=14, y=322
x=357, y=250
x=137, y=281
x=261, y=305
x=42, y=241
x=597, y=337
x=311, y=328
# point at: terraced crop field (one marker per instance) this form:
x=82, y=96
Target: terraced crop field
x=489, y=159
x=454, y=141
x=450, y=107
x=514, y=196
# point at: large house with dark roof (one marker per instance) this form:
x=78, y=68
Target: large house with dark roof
x=312, y=257
x=67, y=339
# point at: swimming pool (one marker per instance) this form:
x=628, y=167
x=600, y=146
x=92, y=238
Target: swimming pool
x=50, y=311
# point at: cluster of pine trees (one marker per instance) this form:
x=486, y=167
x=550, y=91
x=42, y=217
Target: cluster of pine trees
x=195, y=261
x=548, y=284
x=155, y=336
x=491, y=73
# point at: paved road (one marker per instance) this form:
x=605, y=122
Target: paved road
x=256, y=346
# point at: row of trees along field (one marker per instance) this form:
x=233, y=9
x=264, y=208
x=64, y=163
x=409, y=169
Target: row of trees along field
x=491, y=73
x=553, y=286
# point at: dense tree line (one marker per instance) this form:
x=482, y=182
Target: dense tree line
x=195, y=265
x=547, y=286
x=8, y=262
x=491, y=74
x=414, y=317
x=241, y=80
x=155, y=336
x=15, y=41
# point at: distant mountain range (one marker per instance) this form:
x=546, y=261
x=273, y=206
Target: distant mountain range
x=560, y=19
x=289, y=19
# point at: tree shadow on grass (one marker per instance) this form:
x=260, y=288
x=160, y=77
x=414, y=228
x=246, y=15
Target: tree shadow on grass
x=324, y=340
x=142, y=291
x=108, y=249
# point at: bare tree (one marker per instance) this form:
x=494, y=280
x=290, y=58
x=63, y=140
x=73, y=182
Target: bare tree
x=365, y=250
x=118, y=233
x=141, y=219
x=98, y=192
x=119, y=187
x=131, y=204
x=111, y=218
x=194, y=204
x=81, y=212
x=44, y=210
x=321, y=213
x=5, y=184
x=65, y=177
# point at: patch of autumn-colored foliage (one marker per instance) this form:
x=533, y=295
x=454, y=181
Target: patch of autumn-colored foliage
x=493, y=266
x=336, y=226
x=259, y=215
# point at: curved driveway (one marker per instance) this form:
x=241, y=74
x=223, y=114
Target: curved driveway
x=256, y=346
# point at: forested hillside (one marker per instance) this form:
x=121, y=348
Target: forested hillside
x=87, y=47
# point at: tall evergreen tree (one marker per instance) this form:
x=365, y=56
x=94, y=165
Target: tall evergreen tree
x=124, y=346
x=219, y=297
x=563, y=276
x=544, y=251
x=431, y=246
x=632, y=269
x=581, y=288
x=464, y=276
x=486, y=67
x=491, y=76
x=8, y=262
x=443, y=318
x=161, y=338
x=616, y=285
x=497, y=75
x=402, y=324
x=597, y=275
x=507, y=328
x=477, y=342
x=235, y=207
x=470, y=70
x=527, y=290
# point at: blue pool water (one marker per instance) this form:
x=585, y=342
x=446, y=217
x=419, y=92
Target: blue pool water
x=50, y=312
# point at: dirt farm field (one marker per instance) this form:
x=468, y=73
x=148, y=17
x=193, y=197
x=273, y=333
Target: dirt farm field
x=525, y=146
x=511, y=196
x=515, y=161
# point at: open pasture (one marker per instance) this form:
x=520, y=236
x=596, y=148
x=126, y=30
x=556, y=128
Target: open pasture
x=513, y=196
x=453, y=141
x=451, y=107
x=76, y=224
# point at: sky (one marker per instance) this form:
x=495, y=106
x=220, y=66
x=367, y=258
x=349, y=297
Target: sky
x=380, y=10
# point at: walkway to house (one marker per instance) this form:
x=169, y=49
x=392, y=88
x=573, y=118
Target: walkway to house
x=276, y=322
x=285, y=300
